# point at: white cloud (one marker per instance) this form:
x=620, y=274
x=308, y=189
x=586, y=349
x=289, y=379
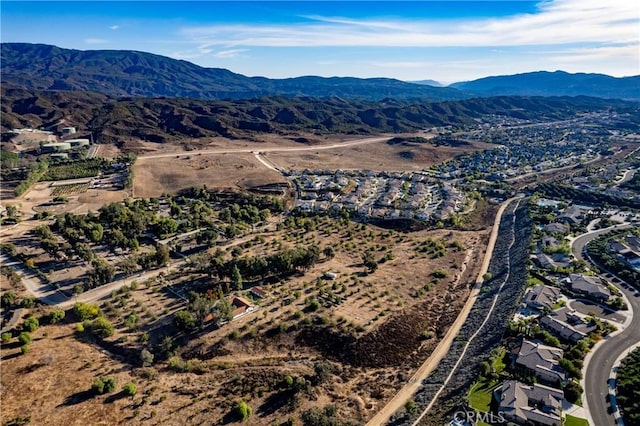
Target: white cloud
x=228, y=54
x=114, y=27
x=93, y=41
x=555, y=22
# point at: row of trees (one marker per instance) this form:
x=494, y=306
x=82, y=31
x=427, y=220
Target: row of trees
x=598, y=250
x=628, y=384
x=283, y=263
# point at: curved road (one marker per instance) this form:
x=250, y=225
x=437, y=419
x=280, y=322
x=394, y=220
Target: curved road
x=604, y=355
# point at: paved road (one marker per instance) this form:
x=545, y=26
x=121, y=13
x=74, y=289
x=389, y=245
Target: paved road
x=578, y=243
x=626, y=177
x=49, y=295
x=266, y=149
x=602, y=359
x=17, y=314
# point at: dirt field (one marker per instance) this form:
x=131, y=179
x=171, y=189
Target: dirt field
x=375, y=156
x=39, y=198
x=156, y=176
x=50, y=384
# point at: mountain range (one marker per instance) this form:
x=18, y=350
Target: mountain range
x=123, y=73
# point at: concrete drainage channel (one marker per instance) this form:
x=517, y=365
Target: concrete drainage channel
x=445, y=389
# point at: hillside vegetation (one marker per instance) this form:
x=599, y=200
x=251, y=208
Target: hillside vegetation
x=164, y=120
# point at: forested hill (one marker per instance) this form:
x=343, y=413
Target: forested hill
x=166, y=119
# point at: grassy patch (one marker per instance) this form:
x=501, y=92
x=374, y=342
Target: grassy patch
x=575, y=421
x=498, y=359
x=480, y=394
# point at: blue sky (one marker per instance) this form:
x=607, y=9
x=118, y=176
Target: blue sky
x=414, y=40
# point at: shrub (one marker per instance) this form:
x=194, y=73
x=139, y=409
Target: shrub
x=103, y=385
x=28, y=302
x=243, y=410
x=102, y=327
x=24, y=338
x=84, y=311
x=130, y=389
x=24, y=349
x=426, y=335
x=288, y=381
x=31, y=324
x=80, y=327
x=6, y=337
x=56, y=316
x=146, y=358
x=410, y=406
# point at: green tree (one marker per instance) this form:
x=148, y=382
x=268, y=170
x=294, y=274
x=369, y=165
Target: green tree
x=162, y=255
x=184, y=320
x=56, y=316
x=31, y=324
x=236, y=278
x=369, y=262
x=8, y=298
x=146, y=358
x=24, y=338
x=410, y=407
x=28, y=302
x=329, y=252
x=6, y=337
x=200, y=305
x=102, y=327
x=84, y=311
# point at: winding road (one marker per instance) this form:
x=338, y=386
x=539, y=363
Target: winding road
x=601, y=360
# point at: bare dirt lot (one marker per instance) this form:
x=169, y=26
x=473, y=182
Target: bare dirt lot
x=156, y=176
x=50, y=385
x=374, y=156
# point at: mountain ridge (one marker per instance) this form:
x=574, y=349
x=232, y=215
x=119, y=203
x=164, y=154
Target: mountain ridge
x=554, y=83
x=131, y=73
x=125, y=73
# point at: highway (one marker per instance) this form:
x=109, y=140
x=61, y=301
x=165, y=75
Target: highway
x=601, y=360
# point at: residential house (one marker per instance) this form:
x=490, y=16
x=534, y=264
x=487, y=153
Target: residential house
x=573, y=215
x=241, y=307
x=541, y=297
x=531, y=404
x=259, y=292
x=542, y=361
x=566, y=324
x=550, y=242
x=589, y=286
x=633, y=241
x=545, y=261
x=556, y=228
